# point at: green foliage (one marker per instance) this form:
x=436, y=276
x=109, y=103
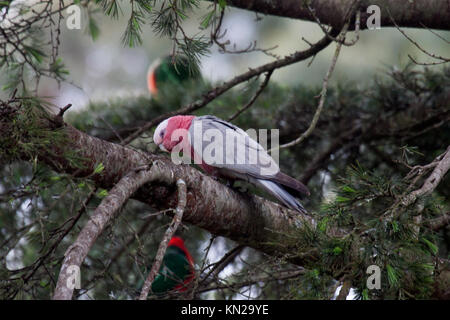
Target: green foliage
x=312, y=286
x=132, y=36
x=28, y=52
x=364, y=189
x=57, y=67
x=167, y=19
x=94, y=30
x=26, y=134
x=378, y=237
x=5, y=4
x=359, y=221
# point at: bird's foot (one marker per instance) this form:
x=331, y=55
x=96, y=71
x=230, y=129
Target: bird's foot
x=242, y=189
x=238, y=188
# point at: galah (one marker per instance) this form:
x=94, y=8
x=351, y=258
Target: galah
x=229, y=160
x=166, y=71
x=177, y=269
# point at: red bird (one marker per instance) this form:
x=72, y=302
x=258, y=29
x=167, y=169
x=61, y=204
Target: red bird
x=177, y=269
x=206, y=140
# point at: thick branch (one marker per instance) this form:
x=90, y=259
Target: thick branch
x=433, y=14
x=248, y=220
x=345, y=290
x=77, y=252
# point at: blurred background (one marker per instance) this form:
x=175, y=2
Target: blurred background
x=105, y=68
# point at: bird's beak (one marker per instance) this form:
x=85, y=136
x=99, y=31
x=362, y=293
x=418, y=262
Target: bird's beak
x=161, y=146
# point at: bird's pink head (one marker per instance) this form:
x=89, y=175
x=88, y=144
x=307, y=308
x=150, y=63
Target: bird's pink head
x=163, y=136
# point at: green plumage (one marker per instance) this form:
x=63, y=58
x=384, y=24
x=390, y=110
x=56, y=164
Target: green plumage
x=175, y=269
x=175, y=73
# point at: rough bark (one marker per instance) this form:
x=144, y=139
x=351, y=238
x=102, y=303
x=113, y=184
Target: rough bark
x=77, y=252
x=415, y=14
x=165, y=242
x=247, y=219
x=222, y=88
x=432, y=181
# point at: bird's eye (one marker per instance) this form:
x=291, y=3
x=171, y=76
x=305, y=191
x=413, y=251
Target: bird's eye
x=161, y=134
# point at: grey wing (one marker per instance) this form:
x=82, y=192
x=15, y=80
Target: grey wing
x=225, y=146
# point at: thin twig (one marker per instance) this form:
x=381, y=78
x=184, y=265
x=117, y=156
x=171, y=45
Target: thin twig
x=196, y=282
x=167, y=236
x=323, y=95
x=102, y=215
x=219, y=90
x=432, y=181
x=431, y=55
x=111, y=128
x=282, y=276
x=74, y=219
x=435, y=33
x=348, y=16
x=63, y=110
x=223, y=263
x=253, y=99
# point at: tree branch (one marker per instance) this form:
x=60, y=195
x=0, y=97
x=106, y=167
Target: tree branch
x=432, y=181
x=77, y=252
x=440, y=222
x=285, y=275
x=323, y=94
x=433, y=14
x=165, y=242
x=219, y=90
x=222, y=263
x=253, y=99
x=247, y=219
x=345, y=289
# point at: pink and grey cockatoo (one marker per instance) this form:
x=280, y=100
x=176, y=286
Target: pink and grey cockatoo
x=223, y=149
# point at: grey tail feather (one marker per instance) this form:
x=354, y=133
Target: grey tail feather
x=294, y=186
x=281, y=194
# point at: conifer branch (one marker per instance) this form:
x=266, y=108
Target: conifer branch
x=441, y=168
x=253, y=99
x=219, y=90
x=222, y=264
x=102, y=215
x=323, y=94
